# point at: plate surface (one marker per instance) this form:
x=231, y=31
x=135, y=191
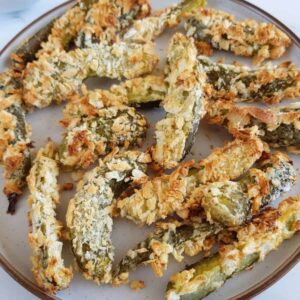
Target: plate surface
x=14, y=248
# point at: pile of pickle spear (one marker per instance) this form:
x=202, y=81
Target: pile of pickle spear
x=222, y=200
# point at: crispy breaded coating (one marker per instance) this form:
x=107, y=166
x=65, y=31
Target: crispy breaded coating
x=90, y=137
x=167, y=194
x=172, y=238
x=107, y=19
x=58, y=77
x=48, y=266
x=65, y=29
x=279, y=127
x=255, y=240
x=184, y=103
x=266, y=84
x=147, y=29
x=14, y=139
x=89, y=212
x=220, y=30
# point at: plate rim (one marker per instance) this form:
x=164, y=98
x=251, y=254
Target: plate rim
x=254, y=290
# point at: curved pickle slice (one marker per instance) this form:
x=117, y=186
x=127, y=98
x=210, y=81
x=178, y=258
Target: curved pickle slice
x=216, y=29
x=48, y=265
x=231, y=203
x=89, y=137
x=167, y=194
x=147, y=29
x=255, y=240
x=184, y=103
x=173, y=239
x=106, y=19
x=279, y=127
x=266, y=84
x=60, y=76
x=15, y=139
x=89, y=212
x=132, y=92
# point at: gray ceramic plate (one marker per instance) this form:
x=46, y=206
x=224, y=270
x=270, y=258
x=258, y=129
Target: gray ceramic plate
x=14, y=249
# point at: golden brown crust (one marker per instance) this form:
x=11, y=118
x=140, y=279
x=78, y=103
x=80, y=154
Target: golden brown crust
x=246, y=37
x=231, y=161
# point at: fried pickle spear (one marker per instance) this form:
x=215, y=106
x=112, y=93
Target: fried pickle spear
x=149, y=28
x=14, y=140
x=173, y=238
x=231, y=203
x=48, y=266
x=132, y=92
x=255, y=240
x=65, y=29
x=167, y=194
x=89, y=212
x=107, y=19
x=93, y=136
x=184, y=103
x=60, y=76
x=216, y=29
x=279, y=127
x=266, y=84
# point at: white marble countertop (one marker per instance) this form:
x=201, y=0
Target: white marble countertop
x=286, y=11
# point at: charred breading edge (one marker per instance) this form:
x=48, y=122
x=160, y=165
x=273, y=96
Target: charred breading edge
x=279, y=127
x=106, y=20
x=147, y=29
x=26, y=52
x=89, y=212
x=184, y=103
x=255, y=240
x=65, y=29
x=90, y=137
x=15, y=139
x=167, y=194
x=266, y=84
x=48, y=266
x=231, y=203
x=60, y=76
x=172, y=238
x=216, y=29
x=132, y=92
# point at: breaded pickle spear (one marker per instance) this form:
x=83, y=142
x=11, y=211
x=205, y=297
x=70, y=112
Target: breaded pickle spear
x=65, y=29
x=174, y=239
x=279, y=127
x=167, y=194
x=89, y=212
x=149, y=28
x=216, y=29
x=184, y=103
x=266, y=84
x=60, y=76
x=255, y=240
x=14, y=140
x=48, y=266
x=89, y=137
x=132, y=92
x=107, y=19
x=231, y=203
